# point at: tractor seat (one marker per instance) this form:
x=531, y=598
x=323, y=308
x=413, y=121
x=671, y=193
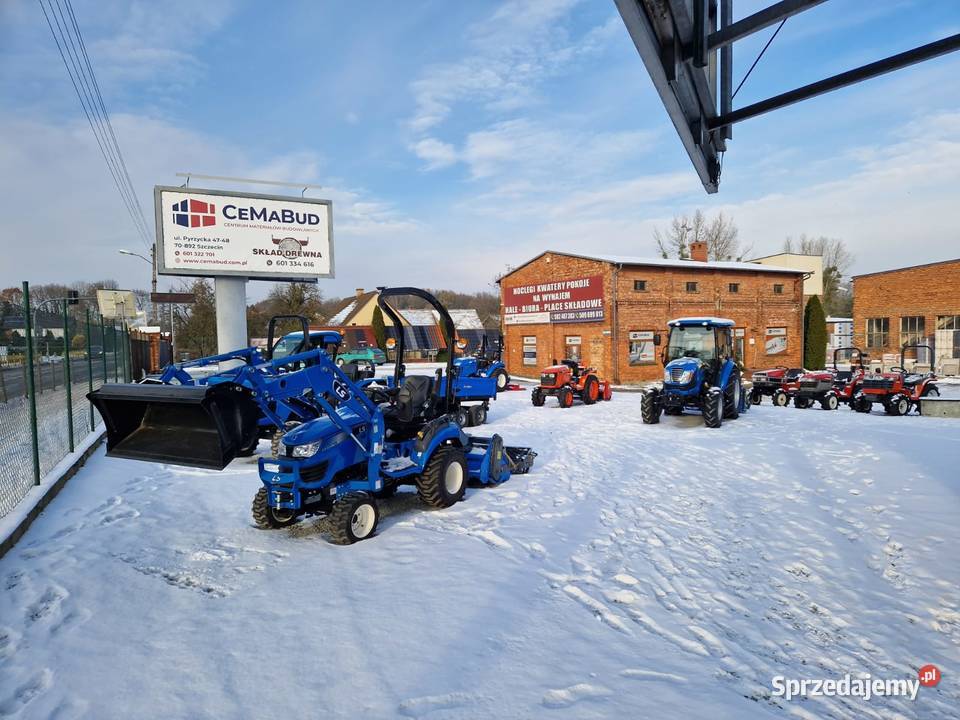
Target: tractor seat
x=843, y=376
x=574, y=367
x=414, y=399
x=911, y=380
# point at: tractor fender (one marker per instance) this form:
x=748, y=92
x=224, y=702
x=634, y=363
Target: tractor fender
x=726, y=372
x=436, y=433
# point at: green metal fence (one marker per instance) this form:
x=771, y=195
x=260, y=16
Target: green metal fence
x=54, y=356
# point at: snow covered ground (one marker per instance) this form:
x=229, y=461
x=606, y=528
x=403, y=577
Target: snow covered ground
x=639, y=571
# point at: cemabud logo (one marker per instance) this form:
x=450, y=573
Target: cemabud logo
x=194, y=213
x=865, y=686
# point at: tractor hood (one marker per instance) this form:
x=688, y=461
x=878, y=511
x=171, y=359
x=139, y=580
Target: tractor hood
x=318, y=430
x=681, y=371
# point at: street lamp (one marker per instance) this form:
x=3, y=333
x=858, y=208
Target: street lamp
x=153, y=265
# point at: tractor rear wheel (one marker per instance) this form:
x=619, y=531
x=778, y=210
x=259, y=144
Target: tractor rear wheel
x=830, y=402
x=862, y=405
x=502, y=380
x=756, y=397
x=591, y=390
x=444, y=479
x=781, y=399
x=713, y=408
x=565, y=397
x=649, y=408
x=899, y=405
x=354, y=517
x=269, y=518
x=731, y=399
x=537, y=397
x=931, y=391
x=801, y=402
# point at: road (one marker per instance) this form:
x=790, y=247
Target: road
x=13, y=382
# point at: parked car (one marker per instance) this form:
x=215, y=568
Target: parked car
x=371, y=354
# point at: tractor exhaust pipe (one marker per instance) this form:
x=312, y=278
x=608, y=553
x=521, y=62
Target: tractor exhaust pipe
x=201, y=426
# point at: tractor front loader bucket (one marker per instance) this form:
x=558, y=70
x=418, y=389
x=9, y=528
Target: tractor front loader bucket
x=199, y=426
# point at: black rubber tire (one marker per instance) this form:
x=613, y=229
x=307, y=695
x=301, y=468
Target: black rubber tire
x=756, y=397
x=265, y=517
x=830, y=402
x=731, y=399
x=478, y=415
x=565, y=397
x=781, y=399
x=462, y=416
x=862, y=405
x=713, y=408
x=590, y=382
x=278, y=436
x=801, y=402
x=502, y=379
x=250, y=449
x=899, y=405
x=649, y=408
x=344, y=523
x=536, y=397
x=431, y=483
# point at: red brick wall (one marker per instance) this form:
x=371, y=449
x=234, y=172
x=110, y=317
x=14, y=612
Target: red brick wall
x=754, y=308
x=926, y=291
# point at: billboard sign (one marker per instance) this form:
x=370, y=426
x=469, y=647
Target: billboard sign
x=563, y=301
x=117, y=304
x=268, y=237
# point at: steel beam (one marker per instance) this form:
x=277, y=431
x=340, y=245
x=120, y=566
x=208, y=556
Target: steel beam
x=865, y=72
x=758, y=21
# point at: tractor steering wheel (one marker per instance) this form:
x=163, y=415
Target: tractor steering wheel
x=898, y=369
x=379, y=394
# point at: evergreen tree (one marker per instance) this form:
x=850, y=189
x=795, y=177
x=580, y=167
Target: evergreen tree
x=379, y=328
x=814, y=335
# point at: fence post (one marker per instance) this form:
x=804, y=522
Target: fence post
x=68, y=375
x=116, y=362
x=31, y=390
x=3, y=383
x=127, y=353
x=103, y=348
x=89, y=367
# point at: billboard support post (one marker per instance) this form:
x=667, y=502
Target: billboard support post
x=231, y=300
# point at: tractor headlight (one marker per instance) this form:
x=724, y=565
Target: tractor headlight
x=306, y=450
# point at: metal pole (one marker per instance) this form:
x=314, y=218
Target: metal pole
x=103, y=347
x=231, y=299
x=31, y=390
x=67, y=375
x=153, y=282
x=116, y=362
x=89, y=367
x=3, y=382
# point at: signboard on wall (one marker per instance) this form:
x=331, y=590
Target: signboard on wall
x=776, y=342
x=642, y=349
x=268, y=237
x=564, y=301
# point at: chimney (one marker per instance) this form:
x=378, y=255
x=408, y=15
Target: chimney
x=359, y=292
x=698, y=251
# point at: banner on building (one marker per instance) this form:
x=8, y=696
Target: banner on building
x=563, y=301
x=776, y=341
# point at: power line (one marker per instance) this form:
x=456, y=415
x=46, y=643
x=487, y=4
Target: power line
x=85, y=86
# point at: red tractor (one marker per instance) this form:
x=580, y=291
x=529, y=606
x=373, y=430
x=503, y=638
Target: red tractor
x=779, y=383
x=568, y=380
x=898, y=391
x=832, y=386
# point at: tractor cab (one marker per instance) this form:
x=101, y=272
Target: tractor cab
x=696, y=350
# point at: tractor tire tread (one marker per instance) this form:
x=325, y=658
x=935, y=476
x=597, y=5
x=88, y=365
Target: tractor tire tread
x=340, y=515
x=430, y=484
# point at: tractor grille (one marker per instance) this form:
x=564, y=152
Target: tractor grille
x=548, y=379
x=759, y=377
x=675, y=374
x=314, y=473
x=880, y=383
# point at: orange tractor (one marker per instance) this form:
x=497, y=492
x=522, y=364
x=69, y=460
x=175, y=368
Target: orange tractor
x=568, y=380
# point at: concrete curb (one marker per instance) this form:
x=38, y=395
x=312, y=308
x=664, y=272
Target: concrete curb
x=18, y=520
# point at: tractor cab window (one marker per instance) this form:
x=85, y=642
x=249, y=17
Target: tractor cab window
x=724, y=344
x=693, y=341
x=286, y=346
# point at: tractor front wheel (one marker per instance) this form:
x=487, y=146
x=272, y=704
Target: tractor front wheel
x=931, y=391
x=898, y=405
x=862, y=405
x=713, y=408
x=650, y=408
x=731, y=399
x=537, y=398
x=444, y=479
x=502, y=380
x=801, y=402
x=354, y=517
x=269, y=518
x=591, y=390
x=565, y=397
x=781, y=399
x=830, y=402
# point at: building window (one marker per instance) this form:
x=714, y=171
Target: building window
x=778, y=289
x=733, y=287
x=911, y=330
x=878, y=332
x=948, y=322
x=692, y=287
x=642, y=350
x=529, y=349
x=640, y=285
x=573, y=344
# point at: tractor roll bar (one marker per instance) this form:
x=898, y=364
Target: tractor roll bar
x=447, y=324
x=917, y=346
x=841, y=349
x=304, y=342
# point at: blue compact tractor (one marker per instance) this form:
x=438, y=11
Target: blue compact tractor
x=699, y=373
x=354, y=444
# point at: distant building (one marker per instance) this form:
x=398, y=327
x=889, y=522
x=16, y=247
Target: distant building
x=839, y=334
x=812, y=264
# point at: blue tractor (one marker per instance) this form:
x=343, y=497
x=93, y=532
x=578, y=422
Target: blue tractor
x=359, y=444
x=699, y=373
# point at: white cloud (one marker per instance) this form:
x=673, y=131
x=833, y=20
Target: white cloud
x=435, y=153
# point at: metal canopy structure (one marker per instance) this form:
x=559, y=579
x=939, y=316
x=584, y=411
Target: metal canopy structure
x=687, y=45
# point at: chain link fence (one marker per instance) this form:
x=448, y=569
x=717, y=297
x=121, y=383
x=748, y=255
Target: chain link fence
x=51, y=355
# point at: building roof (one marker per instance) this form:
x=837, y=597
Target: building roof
x=419, y=318
x=350, y=307
x=466, y=319
x=668, y=262
x=839, y=319
x=782, y=254
x=908, y=267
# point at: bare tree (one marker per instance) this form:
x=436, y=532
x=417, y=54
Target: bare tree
x=837, y=297
x=720, y=233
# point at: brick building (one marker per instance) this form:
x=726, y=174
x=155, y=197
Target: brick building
x=605, y=310
x=912, y=304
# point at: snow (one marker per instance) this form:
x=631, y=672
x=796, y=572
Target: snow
x=672, y=262
x=341, y=316
x=466, y=319
x=419, y=318
x=639, y=571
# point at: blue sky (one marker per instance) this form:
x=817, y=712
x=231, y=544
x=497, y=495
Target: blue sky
x=458, y=138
